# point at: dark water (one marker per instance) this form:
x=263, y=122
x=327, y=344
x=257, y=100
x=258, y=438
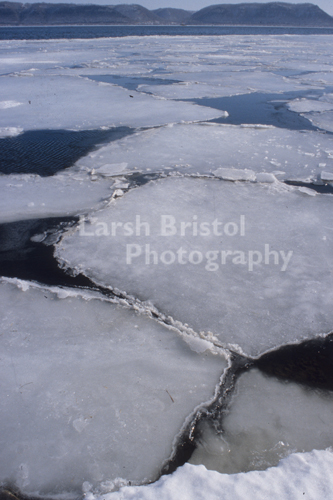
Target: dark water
x=309, y=363
x=45, y=152
x=58, y=32
x=320, y=187
x=259, y=108
x=23, y=258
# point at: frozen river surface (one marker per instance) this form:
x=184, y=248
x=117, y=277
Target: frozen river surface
x=166, y=256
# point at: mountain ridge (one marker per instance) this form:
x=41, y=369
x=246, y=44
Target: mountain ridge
x=242, y=14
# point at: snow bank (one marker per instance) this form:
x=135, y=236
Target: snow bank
x=297, y=477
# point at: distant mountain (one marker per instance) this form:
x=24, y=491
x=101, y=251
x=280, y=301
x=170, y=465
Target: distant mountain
x=265, y=14
x=137, y=14
x=173, y=16
x=12, y=13
x=248, y=14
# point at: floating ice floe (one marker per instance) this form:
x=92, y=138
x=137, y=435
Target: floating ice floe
x=322, y=120
x=10, y=131
x=326, y=176
x=318, y=111
x=234, y=174
x=91, y=391
x=309, y=105
x=221, y=83
x=266, y=421
x=57, y=102
x=31, y=196
x=249, y=262
x=205, y=148
x=108, y=169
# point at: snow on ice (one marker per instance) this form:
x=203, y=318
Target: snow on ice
x=299, y=476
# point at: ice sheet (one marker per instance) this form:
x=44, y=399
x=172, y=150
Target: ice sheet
x=318, y=111
x=90, y=391
x=60, y=102
x=308, y=105
x=250, y=310
x=31, y=196
x=167, y=242
x=231, y=83
x=322, y=120
x=203, y=148
x=191, y=90
x=318, y=78
x=297, y=477
x=277, y=63
x=266, y=421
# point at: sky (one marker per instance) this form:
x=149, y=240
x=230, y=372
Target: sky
x=326, y=5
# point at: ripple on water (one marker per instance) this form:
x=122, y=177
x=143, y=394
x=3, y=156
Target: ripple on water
x=45, y=152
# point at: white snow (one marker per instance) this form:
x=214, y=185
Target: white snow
x=302, y=475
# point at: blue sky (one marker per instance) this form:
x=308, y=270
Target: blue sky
x=326, y=5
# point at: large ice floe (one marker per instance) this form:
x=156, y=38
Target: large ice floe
x=204, y=251
x=204, y=148
x=196, y=257
x=88, y=387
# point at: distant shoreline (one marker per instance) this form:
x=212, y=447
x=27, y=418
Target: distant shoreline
x=270, y=14
x=278, y=26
